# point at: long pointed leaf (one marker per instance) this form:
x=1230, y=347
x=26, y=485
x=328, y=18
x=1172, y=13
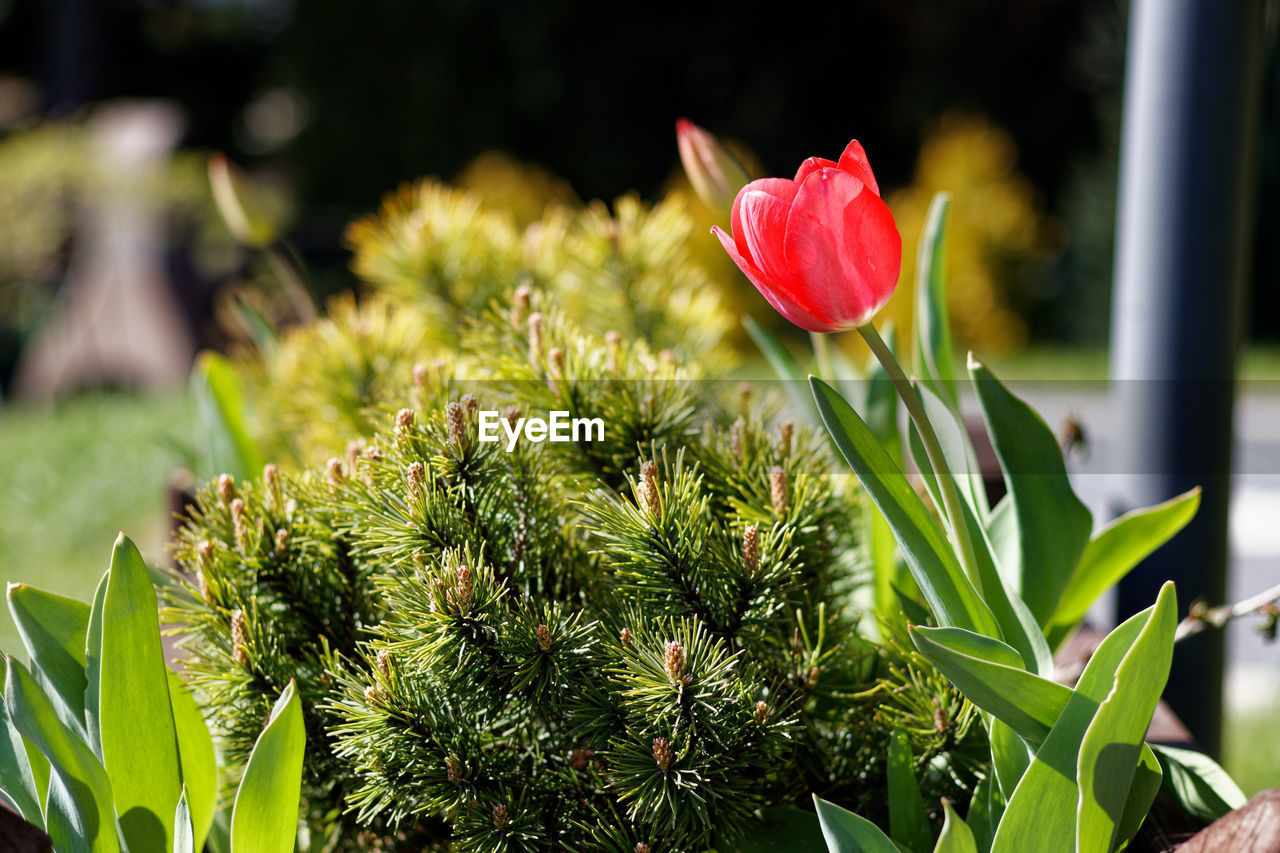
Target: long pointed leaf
x=1053, y=525
x=79, y=816
x=1197, y=781
x=956, y=836
x=845, y=832
x=992, y=676
x=1119, y=547
x=52, y=628
x=220, y=407
x=265, y=816
x=93, y=666
x=17, y=780
x=1041, y=814
x=933, y=350
x=184, y=840
x=139, y=742
x=908, y=819
x=1112, y=745
x=197, y=757
x=924, y=546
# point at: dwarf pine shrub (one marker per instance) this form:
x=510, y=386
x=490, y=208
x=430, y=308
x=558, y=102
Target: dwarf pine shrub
x=645, y=639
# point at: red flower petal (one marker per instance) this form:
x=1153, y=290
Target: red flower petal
x=854, y=161
x=843, y=248
x=779, y=188
x=763, y=221
x=813, y=164
x=781, y=300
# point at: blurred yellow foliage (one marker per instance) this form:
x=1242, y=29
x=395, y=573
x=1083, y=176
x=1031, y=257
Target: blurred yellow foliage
x=996, y=224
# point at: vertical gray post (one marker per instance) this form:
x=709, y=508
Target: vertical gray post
x=1186, y=190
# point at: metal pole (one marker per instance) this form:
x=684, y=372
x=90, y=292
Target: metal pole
x=1186, y=192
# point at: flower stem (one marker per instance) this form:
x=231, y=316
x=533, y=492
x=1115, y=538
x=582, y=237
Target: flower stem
x=932, y=449
x=822, y=350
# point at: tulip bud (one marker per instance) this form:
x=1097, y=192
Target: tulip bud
x=716, y=175
x=241, y=204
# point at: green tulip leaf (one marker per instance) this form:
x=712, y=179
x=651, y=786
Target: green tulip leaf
x=845, y=832
x=957, y=451
x=908, y=818
x=17, y=779
x=1146, y=784
x=139, y=741
x=220, y=410
x=781, y=828
x=1112, y=745
x=1198, y=782
x=934, y=357
x=925, y=548
x=184, y=839
x=956, y=836
x=1119, y=547
x=198, y=760
x=1053, y=525
x=79, y=816
x=992, y=676
x=52, y=628
x=1042, y=813
x=93, y=666
x=984, y=813
x=265, y=816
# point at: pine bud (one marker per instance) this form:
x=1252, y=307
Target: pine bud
x=738, y=438
x=940, y=721
x=784, y=442
x=354, y=449
x=414, y=477
x=613, y=338
x=384, y=663
x=662, y=753
x=372, y=695
x=333, y=468
x=455, y=416
x=673, y=661
x=500, y=816
x=404, y=424
x=238, y=522
x=779, y=490
x=625, y=637
x=543, y=634
x=239, y=638
x=751, y=550
x=373, y=453
x=463, y=590
x=420, y=375
x=271, y=476
x=648, y=490
x=226, y=488
x=613, y=342
x=666, y=357
x=520, y=305
x=512, y=416
x=535, y=337
x=470, y=405
x=203, y=584
x=579, y=757
x=744, y=398
x=762, y=712
x=641, y=847
x=555, y=362
x=453, y=766
x=282, y=541
x=204, y=554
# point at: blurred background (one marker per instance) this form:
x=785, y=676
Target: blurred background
x=115, y=268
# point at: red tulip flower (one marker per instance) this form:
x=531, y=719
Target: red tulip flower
x=823, y=249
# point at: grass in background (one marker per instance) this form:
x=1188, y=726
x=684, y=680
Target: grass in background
x=1251, y=749
x=75, y=475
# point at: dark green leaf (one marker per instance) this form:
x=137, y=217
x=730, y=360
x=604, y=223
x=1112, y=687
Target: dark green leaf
x=1053, y=525
x=1197, y=781
x=908, y=818
x=52, y=628
x=198, y=761
x=220, y=408
x=924, y=546
x=782, y=828
x=934, y=359
x=845, y=832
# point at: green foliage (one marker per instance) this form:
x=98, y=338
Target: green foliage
x=104, y=748
x=1069, y=769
